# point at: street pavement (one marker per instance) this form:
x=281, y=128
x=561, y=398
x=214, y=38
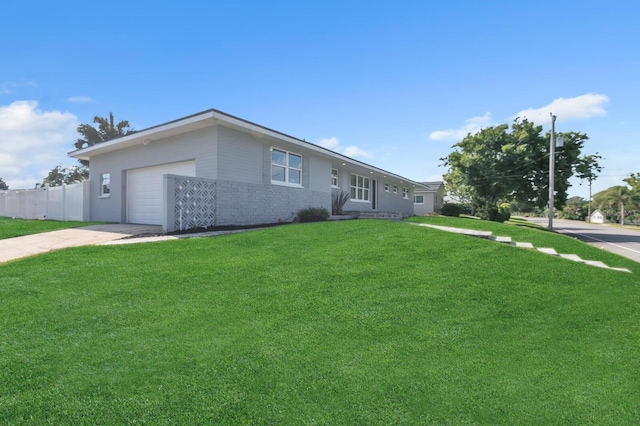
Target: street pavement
x=622, y=241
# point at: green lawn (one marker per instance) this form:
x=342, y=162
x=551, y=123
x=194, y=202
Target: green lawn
x=10, y=228
x=353, y=322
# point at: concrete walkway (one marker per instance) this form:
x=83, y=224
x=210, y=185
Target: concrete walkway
x=28, y=245
x=507, y=240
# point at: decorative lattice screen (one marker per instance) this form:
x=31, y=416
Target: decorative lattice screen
x=195, y=203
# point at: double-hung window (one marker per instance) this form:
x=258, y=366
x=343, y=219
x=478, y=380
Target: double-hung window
x=360, y=187
x=286, y=167
x=386, y=187
x=105, y=184
x=405, y=193
x=334, y=178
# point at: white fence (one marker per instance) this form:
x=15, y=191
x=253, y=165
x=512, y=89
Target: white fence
x=66, y=202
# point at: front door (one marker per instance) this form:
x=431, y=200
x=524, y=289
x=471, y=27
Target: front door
x=374, y=194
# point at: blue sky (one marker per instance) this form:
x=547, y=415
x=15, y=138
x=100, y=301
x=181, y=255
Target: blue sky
x=394, y=84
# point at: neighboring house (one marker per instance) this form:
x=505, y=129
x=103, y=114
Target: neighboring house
x=214, y=169
x=428, y=198
x=597, y=217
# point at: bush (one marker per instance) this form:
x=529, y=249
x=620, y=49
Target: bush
x=504, y=211
x=495, y=213
x=452, y=209
x=313, y=214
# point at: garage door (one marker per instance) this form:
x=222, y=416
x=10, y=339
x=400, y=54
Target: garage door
x=144, y=191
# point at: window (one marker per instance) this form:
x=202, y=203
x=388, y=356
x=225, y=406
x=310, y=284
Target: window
x=359, y=188
x=418, y=199
x=405, y=193
x=395, y=189
x=386, y=187
x=105, y=184
x=334, y=178
x=286, y=167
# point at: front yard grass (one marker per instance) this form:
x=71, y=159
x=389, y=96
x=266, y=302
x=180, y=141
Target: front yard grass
x=10, y=228
x=353, y=322
x=521, y=230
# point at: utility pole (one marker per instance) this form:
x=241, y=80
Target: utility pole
x=552, y=166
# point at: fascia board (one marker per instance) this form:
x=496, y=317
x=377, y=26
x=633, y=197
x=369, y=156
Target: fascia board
x=212, y=117
x=152, y=133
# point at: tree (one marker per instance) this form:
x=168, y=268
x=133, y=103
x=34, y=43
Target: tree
x=107, y=130
x=618, y=196
x=634, y=181
x=574, y=209
x=588, y=169
x=3, y=185
x=65, y=176
x=496, y=165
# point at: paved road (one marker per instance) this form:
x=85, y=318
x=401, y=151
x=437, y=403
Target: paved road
x=625, y=242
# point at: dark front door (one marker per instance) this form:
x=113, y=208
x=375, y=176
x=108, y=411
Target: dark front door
x=374, y=194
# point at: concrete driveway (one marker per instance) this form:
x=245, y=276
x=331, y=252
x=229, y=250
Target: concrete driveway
x=19, y=247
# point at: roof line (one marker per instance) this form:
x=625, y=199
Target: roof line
x=216, y=111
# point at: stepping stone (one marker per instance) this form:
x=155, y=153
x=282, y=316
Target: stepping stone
x=621, y=269
x=471, y=232
x=596, y=263
x=548, y=251
x=500, y=239
x=522, y=245
x=573, y=257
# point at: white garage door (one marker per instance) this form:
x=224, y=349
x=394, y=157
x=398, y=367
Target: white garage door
x=144, y=191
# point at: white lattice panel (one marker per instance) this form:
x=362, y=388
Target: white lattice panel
x=195, y=203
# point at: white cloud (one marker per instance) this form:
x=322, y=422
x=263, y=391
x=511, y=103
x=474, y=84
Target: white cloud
x=565, y=109
x=579, y=108
x=9, y=87
x=329, y=143
x=473, y=125
x=79, y=100
x=354, y=151
x=33, y=141
x=350, y=151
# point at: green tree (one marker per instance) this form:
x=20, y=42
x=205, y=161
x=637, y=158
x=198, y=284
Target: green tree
x=65, y=176
x=588, y=169
x=107, y=129
x=634, y=181
x=3, y=185
x=502, y=164
x=616, y=199
x=575, y=209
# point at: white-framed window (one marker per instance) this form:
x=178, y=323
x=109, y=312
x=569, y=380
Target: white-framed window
x=386, y=187
x=334, y=178
x=105, y=184
x=286, y=167
x=395, y=189
x=418, y=199
x=405, y=193
x=360, y=187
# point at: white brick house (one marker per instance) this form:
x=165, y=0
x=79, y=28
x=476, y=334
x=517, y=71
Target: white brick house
x=214, y=169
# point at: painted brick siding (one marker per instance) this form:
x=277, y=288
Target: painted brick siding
x=247, y=204
x=387, y=201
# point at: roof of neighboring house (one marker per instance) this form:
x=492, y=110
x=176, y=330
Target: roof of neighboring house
x=212, y=117
x=433, y=186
